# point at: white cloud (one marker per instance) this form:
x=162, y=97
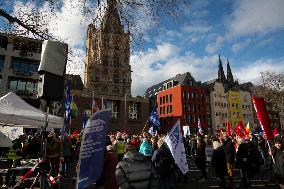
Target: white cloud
x=241, y=45
x=196, y=29
x=213, y=47
x=252, y=71
x=256, y=17
x=168, y=62
x=265, y=42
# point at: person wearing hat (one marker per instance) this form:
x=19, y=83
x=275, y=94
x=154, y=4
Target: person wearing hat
x=110, y=163
x=135, y=171
x=219, y=163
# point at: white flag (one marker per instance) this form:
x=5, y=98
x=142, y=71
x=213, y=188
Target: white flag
x=175, y=143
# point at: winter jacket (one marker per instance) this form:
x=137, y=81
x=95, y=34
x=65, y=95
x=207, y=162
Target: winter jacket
x=242, y=157
x=110, y=164
x=279, y=166
x=146, y=149
x=136, y=171
x=229, y=151
x=200, y=158
x=218, y=161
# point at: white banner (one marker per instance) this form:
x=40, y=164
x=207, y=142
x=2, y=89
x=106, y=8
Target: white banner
x=12, y=132
x=175, y=143
x=186, y=131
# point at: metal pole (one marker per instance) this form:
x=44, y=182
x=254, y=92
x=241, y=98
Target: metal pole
x=271, y=152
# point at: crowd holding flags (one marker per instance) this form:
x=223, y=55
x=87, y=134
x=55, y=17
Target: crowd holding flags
x=228, y=129
x=240, y=130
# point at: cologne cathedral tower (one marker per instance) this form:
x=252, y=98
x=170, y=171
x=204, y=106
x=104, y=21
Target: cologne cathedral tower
x=107, y=68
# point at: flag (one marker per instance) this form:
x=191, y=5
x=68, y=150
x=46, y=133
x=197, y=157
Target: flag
x=152, y=131
x=95, y=106
x=228, y=129
x=84, y=120
x=275, y=132
x=247, y=129
x=200, y=129
x=154, y=118
x=186, y=131
x=74, y=109
x=92, y=149
x=67, y=103
x=174, y=141
x=240, y=130
x=262, y=116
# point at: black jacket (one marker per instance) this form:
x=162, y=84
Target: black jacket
x=218, y=161
x=230, y=151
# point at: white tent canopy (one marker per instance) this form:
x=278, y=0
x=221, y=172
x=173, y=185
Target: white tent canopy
x=5, y=141
x=14, y=111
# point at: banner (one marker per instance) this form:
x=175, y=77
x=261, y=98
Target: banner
x=174, y=141
x=262, y=116
x=12, y=132
x=92, y=149
x=154, y=118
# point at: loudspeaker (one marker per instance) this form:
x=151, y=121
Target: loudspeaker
x=53, y=58
x=52, y=70
x=50, y=87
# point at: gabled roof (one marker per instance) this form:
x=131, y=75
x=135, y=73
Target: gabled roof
x=180, y=79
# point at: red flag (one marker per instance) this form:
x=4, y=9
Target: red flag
x=95, y=107
x=228, y=129
x=262, y=116
x=275, y=132
x=240, y=130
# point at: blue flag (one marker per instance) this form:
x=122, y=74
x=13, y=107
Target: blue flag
x=68, y=100
x=154, y=118
x=84, y=120
x=92, y=150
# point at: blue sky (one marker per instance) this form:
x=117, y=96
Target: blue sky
x=250, y=33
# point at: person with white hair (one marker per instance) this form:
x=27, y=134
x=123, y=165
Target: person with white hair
x=219, y=163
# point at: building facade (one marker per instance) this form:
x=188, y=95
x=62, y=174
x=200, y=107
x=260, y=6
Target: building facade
x=235, y=107
x=107, y=68
x=19, y=61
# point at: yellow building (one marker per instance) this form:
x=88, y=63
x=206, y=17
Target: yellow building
x=235, y=107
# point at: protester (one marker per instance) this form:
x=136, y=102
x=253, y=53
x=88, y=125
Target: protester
x=230, y=158
x=200, y=159
x=163, y=162
x=146, y=148
x=53, y=152
x=219, y=163
x=278, y=155
x=135, y=171
x=243, y=161
x=119, y=146
x=110, y=163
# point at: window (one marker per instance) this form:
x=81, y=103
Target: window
x=184, y=107
x=167, y=98
x=134, y=110
x=161, y=100
x=171, y=109
x=164, y=109
x=189, y=107
x=216, y=113
x=167, y=109
x=193, y=108
x=23, y=66
x=23, y=87
x=171, y=98
x=161, y=110
x=116, y=78
x=105, y=61
x=197, y=96
x=183, y=95
x=114, y=107
x=164, y=99
x=216, y=104
x=190, y=83
x=2, y=60
x=192, y=95
x=237, y=105
x=233, y=104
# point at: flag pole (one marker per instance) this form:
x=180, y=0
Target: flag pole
x=145, y=125
x=270, y=151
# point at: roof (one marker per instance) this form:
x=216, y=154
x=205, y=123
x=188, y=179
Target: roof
x=180, y=79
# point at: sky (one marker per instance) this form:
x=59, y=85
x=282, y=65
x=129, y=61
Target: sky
x=249, y=33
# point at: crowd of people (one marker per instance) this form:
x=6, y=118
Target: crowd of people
x=145, y=161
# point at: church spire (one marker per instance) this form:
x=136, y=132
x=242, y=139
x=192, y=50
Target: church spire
x=221, y=74
x=230, y=77
x=111, y=20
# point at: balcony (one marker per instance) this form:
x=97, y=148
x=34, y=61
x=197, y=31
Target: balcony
x=23, y=73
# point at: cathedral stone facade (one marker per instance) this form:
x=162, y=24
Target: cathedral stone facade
x=107, y=68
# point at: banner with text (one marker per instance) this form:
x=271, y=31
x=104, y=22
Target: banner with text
x=174, y=141
x=93, y=149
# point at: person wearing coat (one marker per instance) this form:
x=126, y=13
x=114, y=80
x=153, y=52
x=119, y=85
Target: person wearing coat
x=218, y=161
x=135, y=171
x=200, y=158
x=110, y=163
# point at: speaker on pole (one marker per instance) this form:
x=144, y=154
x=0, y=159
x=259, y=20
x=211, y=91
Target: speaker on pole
x=52, y=70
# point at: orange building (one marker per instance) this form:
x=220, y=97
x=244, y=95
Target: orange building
x=180, y=97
